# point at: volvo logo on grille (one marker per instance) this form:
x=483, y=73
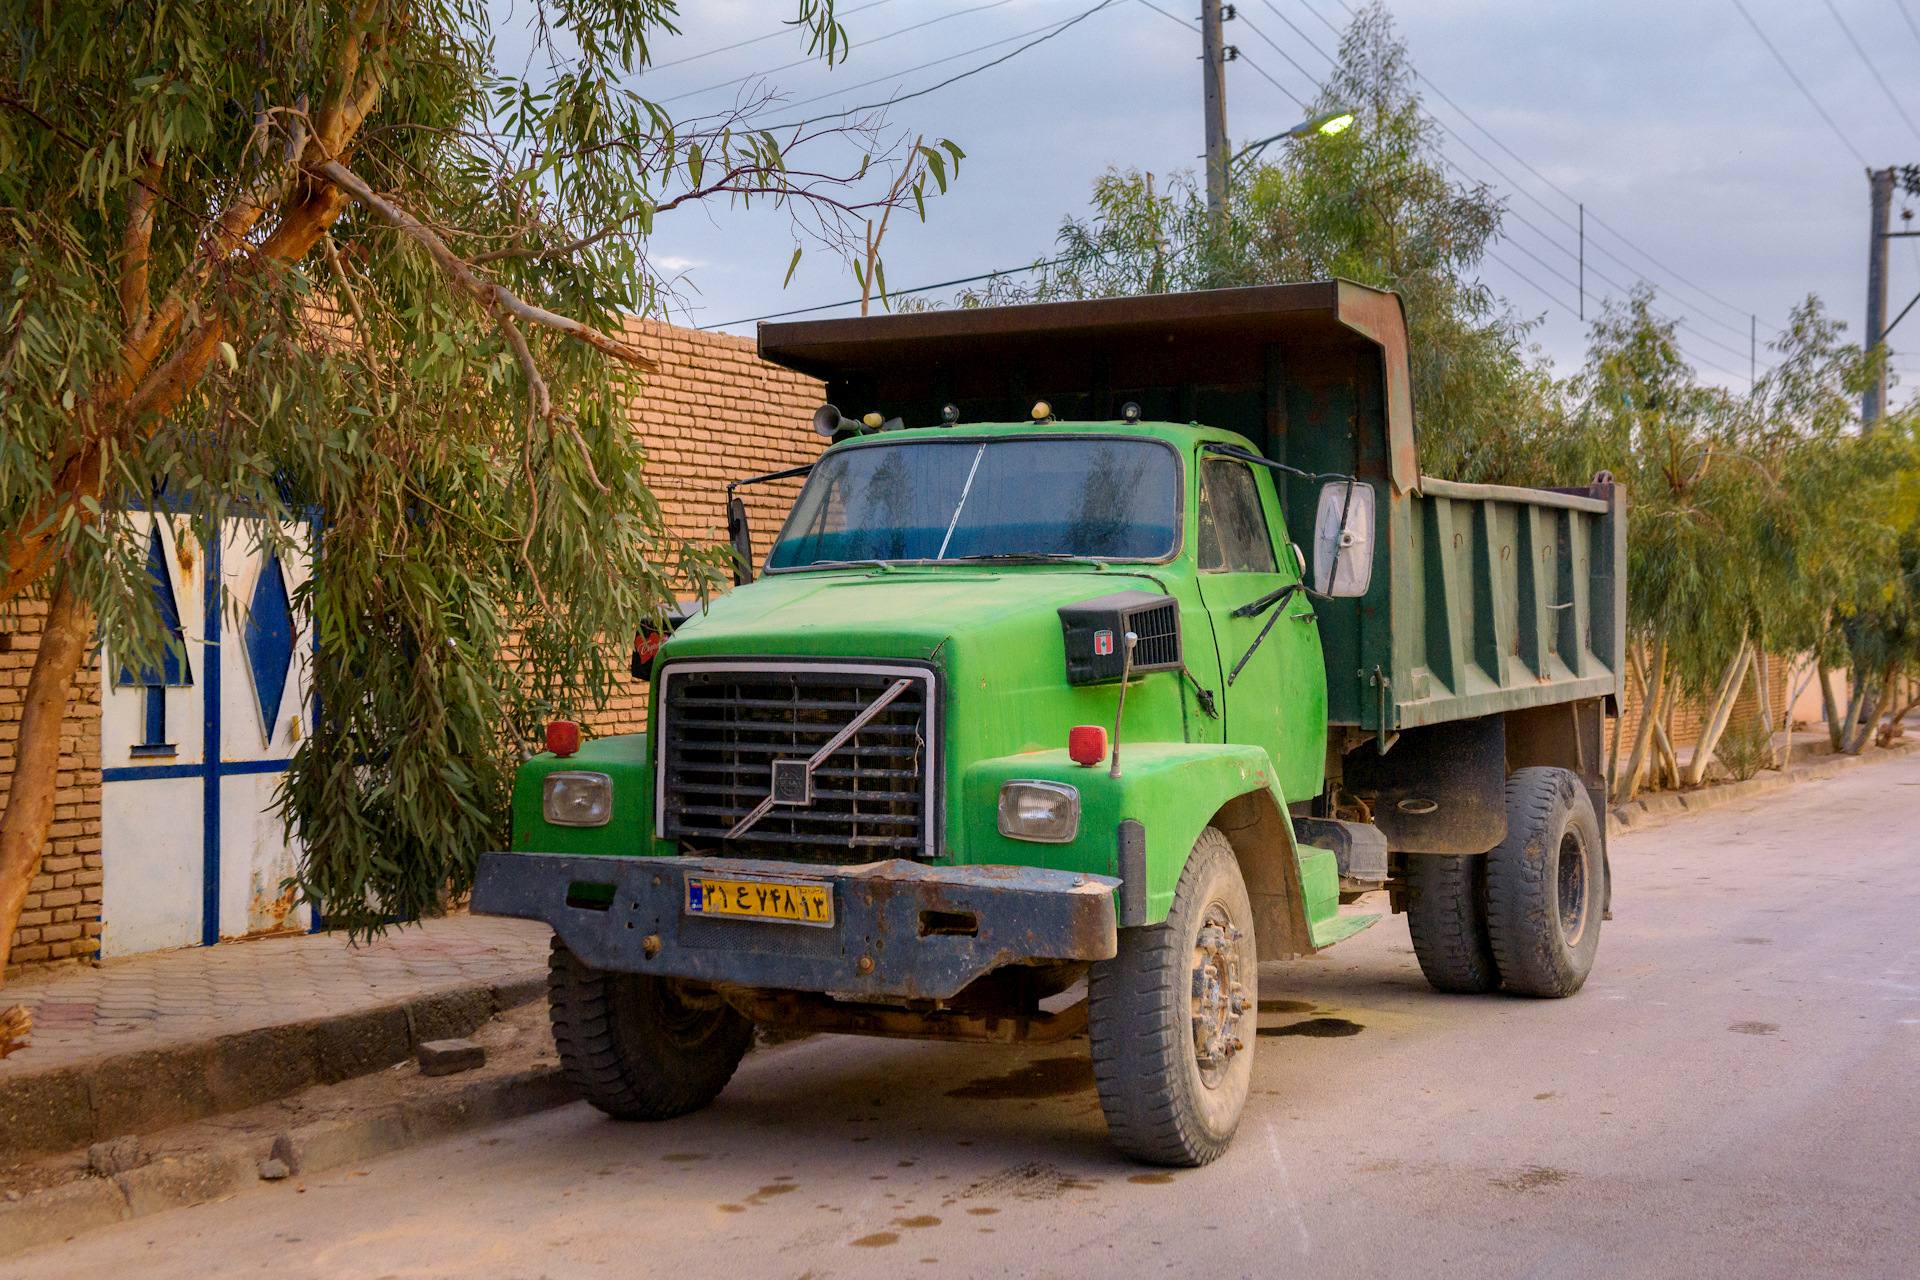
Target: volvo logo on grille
x=792, y=782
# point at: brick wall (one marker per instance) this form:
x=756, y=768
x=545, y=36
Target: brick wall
x=1690, y=716
x=61, y=921
x=715, y=412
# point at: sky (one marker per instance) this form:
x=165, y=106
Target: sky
x=1701, y=165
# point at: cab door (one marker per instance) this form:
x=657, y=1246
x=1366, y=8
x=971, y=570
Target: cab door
x=1275, y=693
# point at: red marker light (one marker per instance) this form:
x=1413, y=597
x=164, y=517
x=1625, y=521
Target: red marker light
x=1087, y=744
x=563, y=737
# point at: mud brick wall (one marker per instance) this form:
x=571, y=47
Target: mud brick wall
x=61, y=921
x=714, y=412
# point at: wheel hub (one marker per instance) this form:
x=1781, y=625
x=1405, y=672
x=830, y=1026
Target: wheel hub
x=1219, y=999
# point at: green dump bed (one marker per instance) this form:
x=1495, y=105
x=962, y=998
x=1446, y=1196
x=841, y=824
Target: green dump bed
x=1483, y=598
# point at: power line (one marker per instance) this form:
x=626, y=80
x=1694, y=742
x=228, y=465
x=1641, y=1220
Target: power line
x=1908, y=15
x=1781, y=59
x=801, y=62
x=1303, y=35
x=1560, y=218
x=1884, y=86
x=1537, y=288
x=920, y=93
x=891, y=293
x=1555, y=187
x=1261, y=72
x=1548, y=209
x=741, y=44
x=1168, y=16
x=1248, y=23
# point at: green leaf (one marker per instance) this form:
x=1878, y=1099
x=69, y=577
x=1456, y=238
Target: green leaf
x=792, y=264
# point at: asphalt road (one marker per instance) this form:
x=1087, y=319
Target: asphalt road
x=1735, y=1093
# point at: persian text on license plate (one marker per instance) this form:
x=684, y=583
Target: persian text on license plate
x=761, y=900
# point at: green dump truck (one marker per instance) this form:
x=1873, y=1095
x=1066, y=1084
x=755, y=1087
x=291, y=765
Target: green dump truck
x=1111, y=646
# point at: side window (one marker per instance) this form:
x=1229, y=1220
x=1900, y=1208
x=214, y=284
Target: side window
x=1233, y=529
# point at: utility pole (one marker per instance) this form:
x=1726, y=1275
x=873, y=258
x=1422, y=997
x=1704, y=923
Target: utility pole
x=1214, y=56
x=1873, y=403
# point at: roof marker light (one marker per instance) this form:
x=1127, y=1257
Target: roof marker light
x=1130, y=412
x=949, y=414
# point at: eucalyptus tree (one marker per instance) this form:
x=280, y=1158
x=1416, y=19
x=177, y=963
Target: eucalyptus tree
x=345, y=269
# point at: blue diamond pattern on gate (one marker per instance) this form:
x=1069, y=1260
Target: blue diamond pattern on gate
x=269, y=642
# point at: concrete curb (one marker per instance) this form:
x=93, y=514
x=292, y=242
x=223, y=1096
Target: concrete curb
x=71, y=1107
x=1648, y=811
x=59, y=1213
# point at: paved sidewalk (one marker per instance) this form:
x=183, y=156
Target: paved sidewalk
x=200, y=993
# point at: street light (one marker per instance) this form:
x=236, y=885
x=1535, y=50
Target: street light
x=1337, y=121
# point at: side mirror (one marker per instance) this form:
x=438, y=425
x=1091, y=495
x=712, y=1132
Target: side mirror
x=1343, y=539
x=742, y=539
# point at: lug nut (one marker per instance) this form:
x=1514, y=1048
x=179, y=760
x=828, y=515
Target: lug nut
x=651, y=945
x=865, y=965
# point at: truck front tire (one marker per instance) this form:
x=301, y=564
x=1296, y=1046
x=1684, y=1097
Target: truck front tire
x=637, y=1047
x=1172, y=1018
x=1447, y=916
x=1546, y=885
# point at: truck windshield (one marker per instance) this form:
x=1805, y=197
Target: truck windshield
x=966, y=499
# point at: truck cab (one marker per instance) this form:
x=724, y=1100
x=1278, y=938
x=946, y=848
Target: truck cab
x=1124, y=686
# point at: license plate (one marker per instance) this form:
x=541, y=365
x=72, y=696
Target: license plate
x=761, y=900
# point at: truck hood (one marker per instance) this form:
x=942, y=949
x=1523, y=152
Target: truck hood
x=906, y=613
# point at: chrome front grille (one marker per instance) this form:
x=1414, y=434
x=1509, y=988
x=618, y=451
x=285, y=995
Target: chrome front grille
x=723, y=724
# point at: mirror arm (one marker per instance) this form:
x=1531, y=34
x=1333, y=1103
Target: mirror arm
x=1246, y=455
x=788, y=474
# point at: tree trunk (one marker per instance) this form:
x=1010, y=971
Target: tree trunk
x=1650, y=683
x=1669, y=772
x=1889, y=693
x=1851, y=738
x=36, y=765
x=1765, y=688
x=1728, y=694
x=1836, y=727
x=1890, y=731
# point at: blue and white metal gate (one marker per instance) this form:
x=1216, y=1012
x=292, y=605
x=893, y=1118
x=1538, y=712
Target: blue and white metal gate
x=191, y=752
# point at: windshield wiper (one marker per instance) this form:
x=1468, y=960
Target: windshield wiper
x=1032, y=557
x=884, y=565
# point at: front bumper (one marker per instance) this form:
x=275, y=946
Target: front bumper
x=899, y=927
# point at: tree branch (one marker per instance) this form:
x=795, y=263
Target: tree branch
x=495, y=298
x=135, y=303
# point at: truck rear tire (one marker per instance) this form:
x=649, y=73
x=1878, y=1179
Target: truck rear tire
x=1171, y=1018
x=1447, y=916
x=634, y=1046
x=1546, y=885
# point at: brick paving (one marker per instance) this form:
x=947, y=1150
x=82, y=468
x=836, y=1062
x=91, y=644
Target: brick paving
x=200, y=993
